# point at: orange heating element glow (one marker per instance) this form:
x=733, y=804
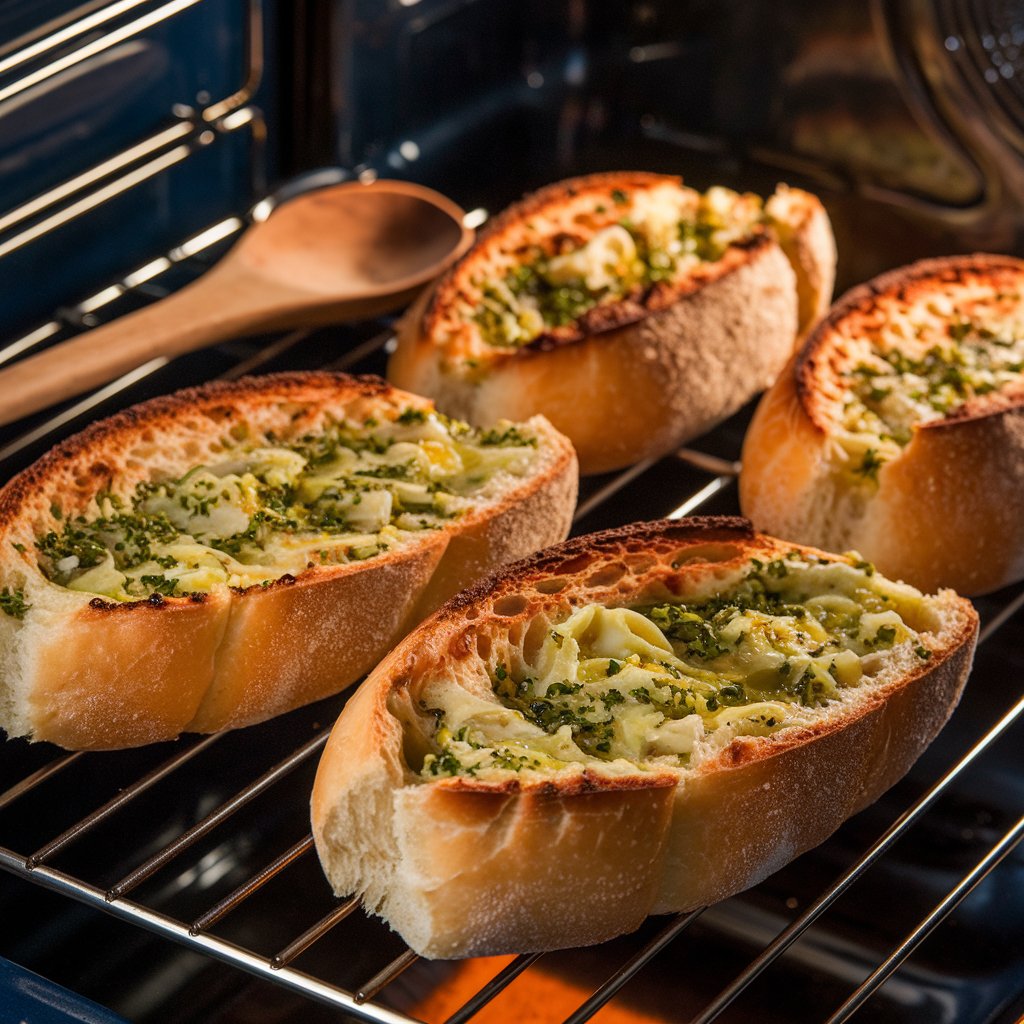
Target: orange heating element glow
x=536, y=997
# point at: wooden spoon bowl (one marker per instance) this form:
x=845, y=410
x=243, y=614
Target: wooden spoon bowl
x=367, y=240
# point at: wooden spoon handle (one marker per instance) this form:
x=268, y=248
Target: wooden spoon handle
x=211, y=309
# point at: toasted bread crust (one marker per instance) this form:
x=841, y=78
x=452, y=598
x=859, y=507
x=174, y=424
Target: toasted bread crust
x=864, y=307
x=810, y=247
x=85, y=673
x=946, y=512
x=467, y=866
x=511, y=229
x=634, y=378
x=108, y=438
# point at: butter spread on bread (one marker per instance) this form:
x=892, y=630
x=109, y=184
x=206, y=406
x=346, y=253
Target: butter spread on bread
x=615, y=689
x=924, y=366
x=899, y=430
x=604, y=295
x=616, y=247
x=255, y=512
x=640, y=721
x=207, y=560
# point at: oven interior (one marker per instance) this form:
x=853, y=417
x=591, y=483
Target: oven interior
x=177, y=882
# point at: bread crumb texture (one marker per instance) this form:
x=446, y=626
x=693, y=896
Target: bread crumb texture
x=633, y=311
x=644, y=720
x=216, y=557
x=899, y=428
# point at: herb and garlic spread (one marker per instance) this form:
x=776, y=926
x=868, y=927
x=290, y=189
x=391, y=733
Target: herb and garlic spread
x=647, y=687
x=617, y=247
x=923, y=367
x=261, y=511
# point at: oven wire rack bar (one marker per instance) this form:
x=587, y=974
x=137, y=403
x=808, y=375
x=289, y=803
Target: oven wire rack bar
x=277, y=966
x=221, y=909
x=967, y=885
x=799, y=925
x=359, y=1003
x=124, y=797
x=219, y=949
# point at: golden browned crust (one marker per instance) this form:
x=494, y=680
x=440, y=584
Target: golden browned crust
x=638, y=391
x=464, y=866
x=512, y=226
x=865, y=308
x=79, y=461
x=946, y=511
x=632, y=379
x=804, y=231
x=86, y=673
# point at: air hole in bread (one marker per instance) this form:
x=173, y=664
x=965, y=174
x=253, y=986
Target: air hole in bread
x=554, y=585
x=414, y=741
x=639, y=565
x=607, y=575
x=483, y=647
x=706, y=553
x=536, y=633
x=577, y=564
x=511, y=604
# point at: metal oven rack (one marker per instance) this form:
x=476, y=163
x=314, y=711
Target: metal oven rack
x=38, y=844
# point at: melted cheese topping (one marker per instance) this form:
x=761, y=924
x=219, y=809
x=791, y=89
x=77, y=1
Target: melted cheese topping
x=648, y=687
x=260, y=512
x=617, y=248
x=922, y=366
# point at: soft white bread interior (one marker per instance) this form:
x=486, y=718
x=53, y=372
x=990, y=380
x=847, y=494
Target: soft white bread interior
x=639, y=721
x=219, y=556
x=632, y=311
x=899, y=428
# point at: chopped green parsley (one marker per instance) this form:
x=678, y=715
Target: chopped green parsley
x=549, y=290
x=12, y=602
x=346, y=493
x=891, y=391
x=789, y=634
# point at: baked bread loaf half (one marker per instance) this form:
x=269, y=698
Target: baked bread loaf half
x=632, y=311
x=899, y=429
x=639, y=721
x=216, y=557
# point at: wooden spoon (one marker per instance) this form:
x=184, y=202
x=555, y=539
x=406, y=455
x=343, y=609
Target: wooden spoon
x=340, y=253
